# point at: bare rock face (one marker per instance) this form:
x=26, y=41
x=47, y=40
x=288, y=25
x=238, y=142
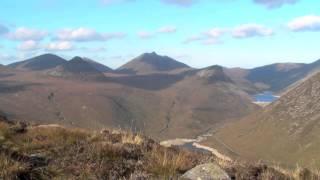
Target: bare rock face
x=209, y=171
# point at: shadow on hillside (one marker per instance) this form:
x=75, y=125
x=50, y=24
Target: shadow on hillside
x=7, y=87
x=125, y=71
x=4, y=75
x=148, y=82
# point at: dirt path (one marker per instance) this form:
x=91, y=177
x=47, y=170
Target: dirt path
x=196, y=143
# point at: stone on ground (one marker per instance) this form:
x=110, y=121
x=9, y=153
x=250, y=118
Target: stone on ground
x=209, y=171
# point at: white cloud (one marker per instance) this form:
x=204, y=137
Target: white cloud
x=194, y=38
x=25, y=34
x=209, y=37
x=59, y=46
x=161, y=30
x=216, y=32
x=28, y=46
x=274, y=3
x=211, y=41
x=167, y=29
x=214, y=35
x=182, y=3
x=86, y=34
x=94, y=49
x=305, y=23
x=145, y=35
x=251, y=30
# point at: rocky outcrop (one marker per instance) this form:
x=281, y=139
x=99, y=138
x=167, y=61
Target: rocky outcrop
x=209, y=171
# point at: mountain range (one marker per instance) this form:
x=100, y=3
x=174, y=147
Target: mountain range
x=163, y=98
x=185, y=99
x=152, y=92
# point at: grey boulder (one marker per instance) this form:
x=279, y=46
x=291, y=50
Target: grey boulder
x=209, y=171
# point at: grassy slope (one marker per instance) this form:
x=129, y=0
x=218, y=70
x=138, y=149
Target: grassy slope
x=285, y=132
x=56, y=152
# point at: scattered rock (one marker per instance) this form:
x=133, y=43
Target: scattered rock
x=20, y=127
x=37, y=160
x=209, y=171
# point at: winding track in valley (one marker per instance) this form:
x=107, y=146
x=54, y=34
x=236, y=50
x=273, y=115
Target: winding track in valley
x=196, y=143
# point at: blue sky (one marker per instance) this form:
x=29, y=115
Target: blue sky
x=233, y=33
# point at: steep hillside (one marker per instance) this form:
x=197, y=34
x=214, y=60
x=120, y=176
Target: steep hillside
x=239, y=77
x=42, y=62
x=285, y=131
x=100, y=67
x=77, y=68
x=151, y=63
x=204, y=100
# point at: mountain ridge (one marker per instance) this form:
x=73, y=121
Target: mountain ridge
x=39, y=63
x=77, y=68
x=150, y=63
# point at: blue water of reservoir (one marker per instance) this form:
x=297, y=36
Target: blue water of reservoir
x=267, y=97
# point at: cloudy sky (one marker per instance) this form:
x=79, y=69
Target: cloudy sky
x=233, y=33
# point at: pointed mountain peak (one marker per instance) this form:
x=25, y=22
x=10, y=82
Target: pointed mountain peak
x=77, y=58
x=38, y=63
x=151, y=63
x=213, y=74
x=154, y=53
x=77, y=68
x=100, y=67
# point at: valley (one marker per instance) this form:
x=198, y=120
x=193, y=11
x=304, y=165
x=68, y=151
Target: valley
x=159, y=90
x=194, y=109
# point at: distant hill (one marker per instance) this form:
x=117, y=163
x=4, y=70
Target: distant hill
x=204, y=99
x=280, y=76
x=6, y=71
x=287, y=131
x=100, y=67
x=214, y=74
x=42, y=62
x=2, y=67
x=150, y=63
x=77, y=68
x=275, y=77
x=159, y=104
